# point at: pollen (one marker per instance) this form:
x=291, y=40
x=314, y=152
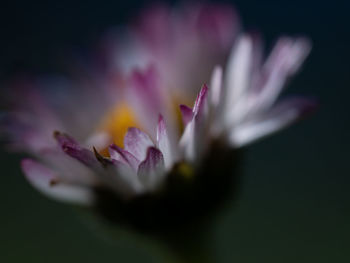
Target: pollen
x=117, y=121
x=185, y=170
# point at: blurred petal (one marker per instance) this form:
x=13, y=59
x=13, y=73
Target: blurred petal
x=185, y=43
x=146, y=97
x=47, y=182
x=215, y=86
x=284, y=61
x=164, y=143
x=152, y=169
x=137, y=142
x=187, y=142
x=70, y=170
x=123, y=156
x=278, y=118
x=200, y=105
x=218, y=24
x=73, y=149
x=99, y=140
x=192, y=141
x=238, y=71
x=123, y=178
x=186, y=113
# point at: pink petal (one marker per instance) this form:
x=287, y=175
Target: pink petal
x=113, y=173
x=137, y=142
x=218, y=24
x=193, y=140
x=123, y=156
x=151, y=170
x=155, y=27
x=186, y=113
x=47, y=182
x=146, y=97
x=74, y=150
x=200, y=105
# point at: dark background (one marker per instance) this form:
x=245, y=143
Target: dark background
x=295, y=199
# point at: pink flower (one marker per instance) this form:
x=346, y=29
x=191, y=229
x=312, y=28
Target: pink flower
x=121, y=132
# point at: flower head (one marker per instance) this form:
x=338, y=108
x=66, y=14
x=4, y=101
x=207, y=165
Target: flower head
x=129, y=133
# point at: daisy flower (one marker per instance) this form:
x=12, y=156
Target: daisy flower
x=128, y=133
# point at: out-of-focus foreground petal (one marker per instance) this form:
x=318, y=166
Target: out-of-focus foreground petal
x=47, y=182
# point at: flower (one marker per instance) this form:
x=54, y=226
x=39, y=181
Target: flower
x=117, y=133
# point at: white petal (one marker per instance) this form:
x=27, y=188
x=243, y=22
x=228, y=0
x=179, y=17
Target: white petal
x=187, y=142
x=122, y=178
x=164, y=143
x=278, y=118
x=237, y=80
x=215, y=86
x=44, y=179
x=68, y=168
x=284, y=61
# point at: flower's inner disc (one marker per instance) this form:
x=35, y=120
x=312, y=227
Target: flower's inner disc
x=117, y=121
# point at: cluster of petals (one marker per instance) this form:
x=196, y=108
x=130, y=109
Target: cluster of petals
x=159, y=63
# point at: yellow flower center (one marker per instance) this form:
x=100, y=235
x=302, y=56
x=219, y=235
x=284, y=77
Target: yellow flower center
x=117, y=122
x=121, y=117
